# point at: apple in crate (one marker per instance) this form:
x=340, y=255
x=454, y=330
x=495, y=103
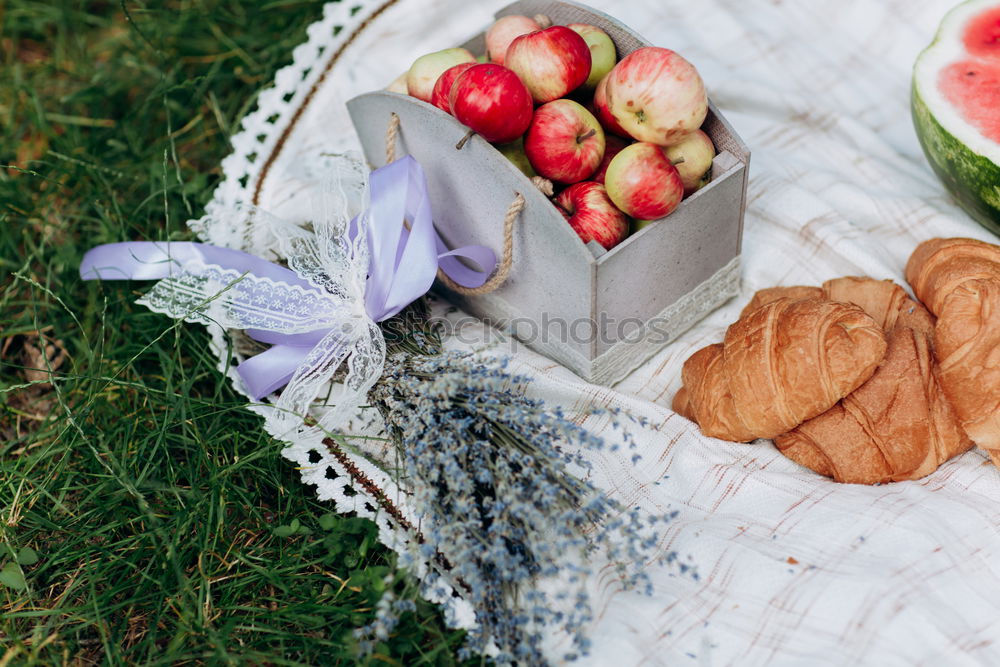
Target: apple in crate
x=638, y=225
x=612, y=146
x=492, y=101
x=602, y=111
x=442, y=87
x=603, y=54
x=693, y=159
x=504, y=31
x=514, y=151
x=426, y=69
x=398, y=85
x=564, y=142
x=643, y=183
x=592, y=215
x=656, y=96
x=550, y=62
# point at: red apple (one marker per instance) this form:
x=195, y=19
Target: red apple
x=442, y=87
x=603, y=113
x=603, y=55
x=693, y=159
x=550, y=62
x=426, y=69
x=504, y=31
x=491, y=100
x=612, y=146
x=564, y=142
x=643, y=183
x=656, y=96
x=592, y=215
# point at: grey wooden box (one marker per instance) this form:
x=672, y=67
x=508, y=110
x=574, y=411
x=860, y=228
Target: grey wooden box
x=600, y=313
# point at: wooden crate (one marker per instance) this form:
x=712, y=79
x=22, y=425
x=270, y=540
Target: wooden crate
x=600, y=313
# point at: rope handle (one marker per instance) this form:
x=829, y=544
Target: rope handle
x=502, y=271
x=499, y=276
x=390, y=138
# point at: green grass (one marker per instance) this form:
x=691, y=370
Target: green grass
x=139, y=501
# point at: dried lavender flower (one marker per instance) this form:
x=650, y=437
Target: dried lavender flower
x=490, y=474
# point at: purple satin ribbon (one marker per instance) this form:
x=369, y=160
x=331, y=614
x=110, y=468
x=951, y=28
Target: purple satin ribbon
x=402, y=267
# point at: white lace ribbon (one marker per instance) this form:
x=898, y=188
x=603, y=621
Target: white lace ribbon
x=369, y=250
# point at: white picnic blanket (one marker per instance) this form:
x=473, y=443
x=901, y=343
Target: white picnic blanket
x=794, y=569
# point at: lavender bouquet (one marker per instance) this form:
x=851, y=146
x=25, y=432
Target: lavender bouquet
x=498, y=481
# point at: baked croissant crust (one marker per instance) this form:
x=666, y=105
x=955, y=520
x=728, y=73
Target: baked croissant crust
x=705, y=397
x=782, y=363
x=959, y=281
x=899, y=424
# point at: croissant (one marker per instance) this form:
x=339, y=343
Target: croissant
x=769, y=294
x=937, y=267
x=782, y=363
x=705, y=398
x=959, y=281
x=899, y=424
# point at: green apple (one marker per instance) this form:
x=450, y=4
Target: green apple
x=636, y=225
x=514, y=151
x=398, y=85
x=426, y=69
x=603, y=55
x=693, y=159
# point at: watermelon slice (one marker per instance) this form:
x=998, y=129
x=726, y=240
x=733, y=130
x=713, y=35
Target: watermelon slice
x=956, y=107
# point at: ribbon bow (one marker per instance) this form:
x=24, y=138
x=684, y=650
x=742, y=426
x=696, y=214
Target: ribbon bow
x=320, y=314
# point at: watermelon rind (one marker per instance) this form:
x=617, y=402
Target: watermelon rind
x=967, y=162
